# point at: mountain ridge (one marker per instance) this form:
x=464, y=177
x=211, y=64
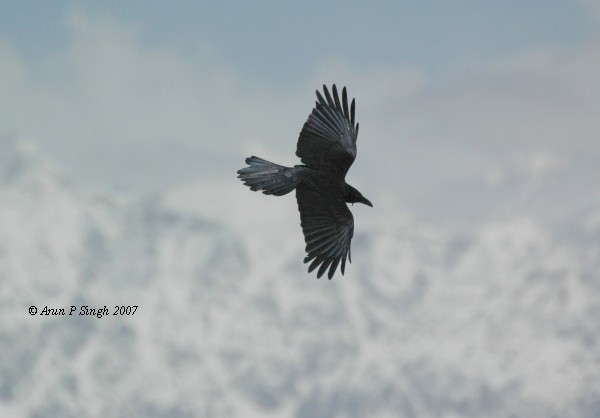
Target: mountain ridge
x=428, y=321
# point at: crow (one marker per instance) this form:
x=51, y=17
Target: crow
x=327, y=149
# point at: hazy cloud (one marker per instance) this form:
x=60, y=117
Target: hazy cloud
x=114, y=107
x=592, y=5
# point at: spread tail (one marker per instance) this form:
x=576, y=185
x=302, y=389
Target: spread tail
x=269, y=177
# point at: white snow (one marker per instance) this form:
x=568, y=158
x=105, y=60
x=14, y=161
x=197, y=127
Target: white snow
x=428, y=321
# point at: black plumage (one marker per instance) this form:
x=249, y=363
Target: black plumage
x=327, y=149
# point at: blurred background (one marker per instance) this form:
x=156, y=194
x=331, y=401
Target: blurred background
x=475, y=283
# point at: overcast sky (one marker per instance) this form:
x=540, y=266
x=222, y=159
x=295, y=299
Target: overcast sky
x=465, y=107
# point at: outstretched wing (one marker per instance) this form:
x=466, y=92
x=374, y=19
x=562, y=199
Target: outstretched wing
x=328, y=227
x=328, y=138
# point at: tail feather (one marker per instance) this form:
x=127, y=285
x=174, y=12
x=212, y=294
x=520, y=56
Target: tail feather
x=269, y=177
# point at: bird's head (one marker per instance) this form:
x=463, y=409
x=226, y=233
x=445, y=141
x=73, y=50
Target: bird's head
x=354, y=196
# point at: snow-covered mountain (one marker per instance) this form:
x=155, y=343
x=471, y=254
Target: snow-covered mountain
x=428, y=321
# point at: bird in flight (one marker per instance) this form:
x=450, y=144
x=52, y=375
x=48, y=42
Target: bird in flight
x=327, y=149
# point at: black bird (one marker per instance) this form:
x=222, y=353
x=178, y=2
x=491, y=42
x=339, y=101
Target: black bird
x=327, y=147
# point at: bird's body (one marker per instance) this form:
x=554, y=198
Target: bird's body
x=327, y=147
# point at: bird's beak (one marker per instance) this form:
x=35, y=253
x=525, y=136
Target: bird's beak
x=366, y=202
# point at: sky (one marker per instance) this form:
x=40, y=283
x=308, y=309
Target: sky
x=468, y=109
